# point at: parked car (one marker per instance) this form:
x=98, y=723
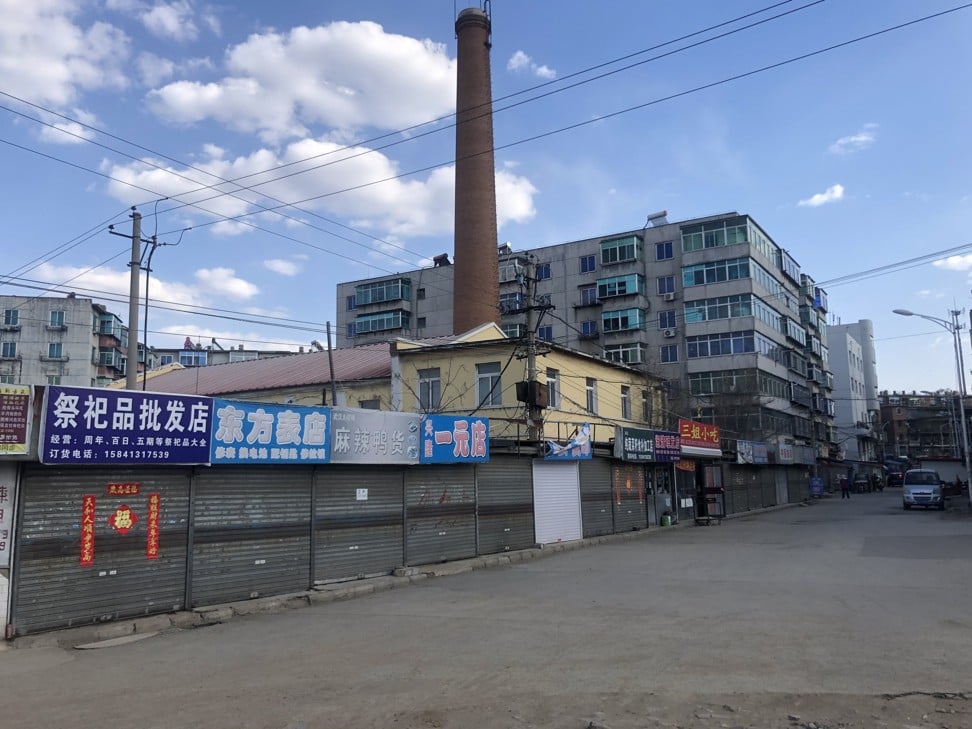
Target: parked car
x=922, y=487
x=895, y=478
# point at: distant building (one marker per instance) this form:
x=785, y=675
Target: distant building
x=917, y=425
x=854, y=363
x=198, y=355
x=712, y=306
x=69, y=341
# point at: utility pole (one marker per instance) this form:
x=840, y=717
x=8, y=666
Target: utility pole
x=534, y=413
x=131, y=381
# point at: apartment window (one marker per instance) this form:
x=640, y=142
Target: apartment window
x=351, y=330
x=510, y=301
x=193, y=358
x=10, y=380
x=382, y=321
x=106, y=325
x=8, y=350
x=588, y=328
x=624, y=320
x=620, y=250
x=420, y=322
x=373, y=404
x=489, y=391
x=55, y=350
x=53, y=379
x=351, y=303
x=514, y=331
x=646, y=406
x=621, y=286
x=238, y=355
x=166, y=359
x=543, y=271
x=57, y=319
x=553, y=388
x=545, y=333
x=625, y=402
x=666, y=319
x=588, y=295
x=11, y=317
x=663, y=251
x=666, y=285
x=669, y=353
x=107, y=357
x=591, y=388
x=510, y=270
x=397, y=289
x=588, y=264
x=715, y=345
x=715, y=272
x=429, y=389
x=631, y=353
x=420, y=293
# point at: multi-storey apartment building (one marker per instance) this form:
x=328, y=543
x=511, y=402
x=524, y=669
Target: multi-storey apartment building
x=712, y=305
x=60, y=341
x=854, y=364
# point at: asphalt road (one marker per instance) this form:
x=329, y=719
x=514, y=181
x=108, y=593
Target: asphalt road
x=853, y=598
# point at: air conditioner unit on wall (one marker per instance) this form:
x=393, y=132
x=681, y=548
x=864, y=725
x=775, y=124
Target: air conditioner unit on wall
x=670, y=296
x=670, y=332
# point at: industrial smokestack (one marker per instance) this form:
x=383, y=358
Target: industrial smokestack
x=476, y=270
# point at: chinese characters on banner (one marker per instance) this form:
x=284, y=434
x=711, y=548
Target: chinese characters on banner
x=87, y=530
x=374, y=436
x=646, y=446
x=668, y=447
x=152, y=527
x=8, y=477
x=699, y=439
x=247, y=432
x=453, y=439
x=94, y=426
x=577, y=448
x=14, y=419
x=122, y=489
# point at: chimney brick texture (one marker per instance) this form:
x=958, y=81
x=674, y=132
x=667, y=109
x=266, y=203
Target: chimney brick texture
x=476, y=272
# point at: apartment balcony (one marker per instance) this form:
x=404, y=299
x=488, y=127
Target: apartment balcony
x=47, y=358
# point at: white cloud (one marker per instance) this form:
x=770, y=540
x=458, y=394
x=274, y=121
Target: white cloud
x=282, y=266
x=154, y=69
x=344, y=75
x=48, y=58
x=520, y=61
x=955, y=263
x=66, y=133
x=855, y=142
x=831, y=194
x=222, y=280
x=171, y=20
x=402, y=208
x=116, y=283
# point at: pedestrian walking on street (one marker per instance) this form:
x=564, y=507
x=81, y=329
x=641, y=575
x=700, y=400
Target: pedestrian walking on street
x=844, y=487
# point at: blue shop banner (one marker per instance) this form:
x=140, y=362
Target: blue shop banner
x=84, y=425
x=576, y=449
x=454, y=439
x=258, y=432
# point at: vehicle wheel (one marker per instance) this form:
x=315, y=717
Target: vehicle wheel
x=941, y=507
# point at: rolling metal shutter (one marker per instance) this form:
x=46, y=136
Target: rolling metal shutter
x=251, y=532
x=628, y=498
x=358, y=522
x=440, y=513
x=595, y=489
x=556, y=501
x=504, y=498
x=797, y=484
x=52, y=590
x=768, y=483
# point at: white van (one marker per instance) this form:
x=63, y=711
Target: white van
x=922, y=487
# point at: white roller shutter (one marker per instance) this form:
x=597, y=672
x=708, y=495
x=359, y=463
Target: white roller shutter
x=556, y=501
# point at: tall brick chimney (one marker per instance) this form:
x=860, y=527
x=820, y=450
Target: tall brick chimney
x=476, y=271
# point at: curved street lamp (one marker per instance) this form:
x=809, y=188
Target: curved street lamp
x=953, y=327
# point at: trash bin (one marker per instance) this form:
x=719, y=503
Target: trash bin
x=666, y=520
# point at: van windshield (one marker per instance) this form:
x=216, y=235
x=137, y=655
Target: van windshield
x=928, y=479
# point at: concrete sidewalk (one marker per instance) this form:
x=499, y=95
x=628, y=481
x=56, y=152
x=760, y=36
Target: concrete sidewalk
x=110, y=632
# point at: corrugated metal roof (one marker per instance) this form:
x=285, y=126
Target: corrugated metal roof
x=294, y=370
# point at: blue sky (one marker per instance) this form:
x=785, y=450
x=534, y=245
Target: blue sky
x=852, y=160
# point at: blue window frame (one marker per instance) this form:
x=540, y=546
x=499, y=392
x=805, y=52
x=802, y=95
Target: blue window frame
x=588, y=264
x=589, y=328
x=666, y=284
x=666, y=319
x=664, y=251
x=352, y=303
x=669, y=353
x=545, y=333
x=543, y=271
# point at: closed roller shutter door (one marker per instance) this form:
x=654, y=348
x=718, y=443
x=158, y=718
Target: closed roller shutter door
x=504, y=490
x=440, y=516
x=595, y=488
x=251, y=532
x=359, y=514
x=556, y=502
x=797, y=485
x=768, y=483
x=53, y=590
x=629, y=497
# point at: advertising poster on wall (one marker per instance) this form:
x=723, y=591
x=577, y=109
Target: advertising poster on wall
x=577, y=448
x=82, y=425
x=454, y=439
x=14, y=419
x=252, y=432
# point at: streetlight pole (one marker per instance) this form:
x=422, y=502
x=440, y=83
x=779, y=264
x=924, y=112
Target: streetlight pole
x=953, y=327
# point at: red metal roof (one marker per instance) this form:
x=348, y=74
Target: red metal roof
x=294, y=370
